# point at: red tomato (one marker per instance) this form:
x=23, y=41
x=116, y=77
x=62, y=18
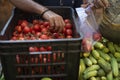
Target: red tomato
x=44, y=30
x=31, y=49
x=36, y=27
x=68, y=26
x=43, y=36
x=40, y=58
x=32, y=30
x=18, y=70
x=41, y=22
x=97, y=36
x=49, y=48
x=38, y=34
x=17, y=59
x=42, y=48
x=46, y=23
x=44, y=60
x=69, y=36
x=36, y=49
x=33, y=38
x=18, y=29
x=24, y=23
x=21, y=35
x=32, y=60
x=35, y=21
x=26, y=29
x=41, y=70
x=64, y=30
x=14, y=38
x=56, y=35
x=67, y=21
x=69, y=32
x=36, y=60
x=21, y=38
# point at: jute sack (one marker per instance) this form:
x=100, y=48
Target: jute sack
x=110, y=23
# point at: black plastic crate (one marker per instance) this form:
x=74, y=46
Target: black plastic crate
x=61, y=63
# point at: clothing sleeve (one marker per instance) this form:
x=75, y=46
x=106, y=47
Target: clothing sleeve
x=78, y=3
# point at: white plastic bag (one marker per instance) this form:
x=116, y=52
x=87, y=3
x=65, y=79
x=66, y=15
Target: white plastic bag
x=88, y=27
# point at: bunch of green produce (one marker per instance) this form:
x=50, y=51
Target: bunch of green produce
x=101, y=63
x=2, y=77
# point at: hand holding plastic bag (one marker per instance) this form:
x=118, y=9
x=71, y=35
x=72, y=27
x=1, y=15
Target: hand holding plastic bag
x=88, y=27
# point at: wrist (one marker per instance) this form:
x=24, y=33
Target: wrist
x=44, y=12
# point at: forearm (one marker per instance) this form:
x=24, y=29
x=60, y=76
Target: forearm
x=29, y=5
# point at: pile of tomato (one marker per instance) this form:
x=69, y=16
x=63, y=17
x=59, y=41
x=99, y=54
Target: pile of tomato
x=40, y=30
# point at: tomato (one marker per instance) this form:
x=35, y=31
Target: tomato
x=46, y=23
x=49, y=48
x=43, y=48
x=26, y=61
x=33, y=72
x=49, y=69
x=97, y=36
x=32, y=60
x=49, y=58
x=67, y=21
x=64, y=30
x=69, y=32
x=24, y=23
x=21, y=38
x=56, y=35
x=14, y=38
x=36, y=49
x=86, y=45
x=54, y=57
x=36, y=27
x=44, y=36
x=33, y=38
x=21, y=35
x=35, y=21
x=68, y=26
x=44, y=30
x=18, y=29
x=18, y=70
x=38, y=34
x=41, y=70
x=36, y=70
x=36, y=60
x=26, y=29
x=31, y=49
x=40, y=58
x=17, y=59
x=32, y=30
x=45, y=60
x=41, y=22
x=69, y=36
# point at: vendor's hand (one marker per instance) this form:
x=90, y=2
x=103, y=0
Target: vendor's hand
x=101, y=3
x=97, y=3
x=56, y=21
x=98, y=8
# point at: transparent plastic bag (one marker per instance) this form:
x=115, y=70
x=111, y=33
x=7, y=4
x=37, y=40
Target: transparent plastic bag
x=88, y=27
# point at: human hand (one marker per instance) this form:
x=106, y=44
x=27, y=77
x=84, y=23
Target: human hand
x=56, y=21
x=97, y=3
x=101, y=3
